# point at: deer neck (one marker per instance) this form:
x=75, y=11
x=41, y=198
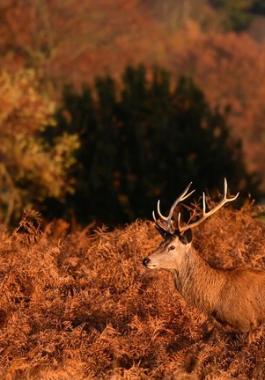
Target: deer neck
x=198, y=283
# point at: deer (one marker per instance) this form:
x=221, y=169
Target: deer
x=234, y=297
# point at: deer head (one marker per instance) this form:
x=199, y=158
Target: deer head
x=178, y=236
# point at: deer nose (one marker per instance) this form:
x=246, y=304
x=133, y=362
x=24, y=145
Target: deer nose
x=146, y=260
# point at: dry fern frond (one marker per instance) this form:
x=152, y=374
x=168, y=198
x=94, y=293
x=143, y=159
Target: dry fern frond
x=80, y=305
x=30, y=226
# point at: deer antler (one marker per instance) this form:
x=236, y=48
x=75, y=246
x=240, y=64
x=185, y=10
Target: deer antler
x=169, y=228
x=205, y=214
x=167, y=224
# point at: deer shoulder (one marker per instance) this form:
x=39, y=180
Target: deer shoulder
x=235, y=297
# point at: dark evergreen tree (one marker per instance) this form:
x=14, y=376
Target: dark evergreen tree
x=237, y=13
x=258, y=7
x=146, y=141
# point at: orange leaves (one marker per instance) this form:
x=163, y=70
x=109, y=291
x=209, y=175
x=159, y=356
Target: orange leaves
x=82, y=305
x=28, y=167
x=23, y=108
x=230, y=70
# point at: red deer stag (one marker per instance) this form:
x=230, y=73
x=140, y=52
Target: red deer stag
x=235, y=297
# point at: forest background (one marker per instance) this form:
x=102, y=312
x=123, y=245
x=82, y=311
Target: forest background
x=108, y=105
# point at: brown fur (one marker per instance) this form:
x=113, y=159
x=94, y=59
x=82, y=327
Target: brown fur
x=235, y=296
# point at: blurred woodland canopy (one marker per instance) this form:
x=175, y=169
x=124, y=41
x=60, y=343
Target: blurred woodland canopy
x=160, y=122
x=233, y=15
x=144, y=142
x=74, y=42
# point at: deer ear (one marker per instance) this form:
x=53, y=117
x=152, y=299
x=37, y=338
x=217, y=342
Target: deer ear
x=165, y=235
x=186, y=238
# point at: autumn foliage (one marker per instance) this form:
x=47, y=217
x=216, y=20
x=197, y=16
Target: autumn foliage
x=141, y=139
x=230, y=70
x=30, y=170
x=75, y=42
x=81, y=305
x=76, y=303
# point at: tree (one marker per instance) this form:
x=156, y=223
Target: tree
x=146, y=141
x=237, y=13
x=230, y=70
x=30, y=170
x=258, y=7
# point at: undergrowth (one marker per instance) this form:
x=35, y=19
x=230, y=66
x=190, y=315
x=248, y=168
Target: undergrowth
x=80, y=305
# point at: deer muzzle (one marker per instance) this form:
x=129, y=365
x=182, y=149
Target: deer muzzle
x=146, y=260
x=150, y=263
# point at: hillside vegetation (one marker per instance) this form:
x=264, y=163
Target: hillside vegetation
x=143, y=142
x=114, y=97
x=74, y=43
x=80, y=305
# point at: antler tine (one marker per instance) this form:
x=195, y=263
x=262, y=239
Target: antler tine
x=225, y=192
x=159, y=211
x=203, y=204
x=181, y=198
x=225, y=187
x=205, y=214
x=168, y=219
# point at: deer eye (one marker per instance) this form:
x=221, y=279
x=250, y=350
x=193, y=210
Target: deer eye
x=171, y=247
